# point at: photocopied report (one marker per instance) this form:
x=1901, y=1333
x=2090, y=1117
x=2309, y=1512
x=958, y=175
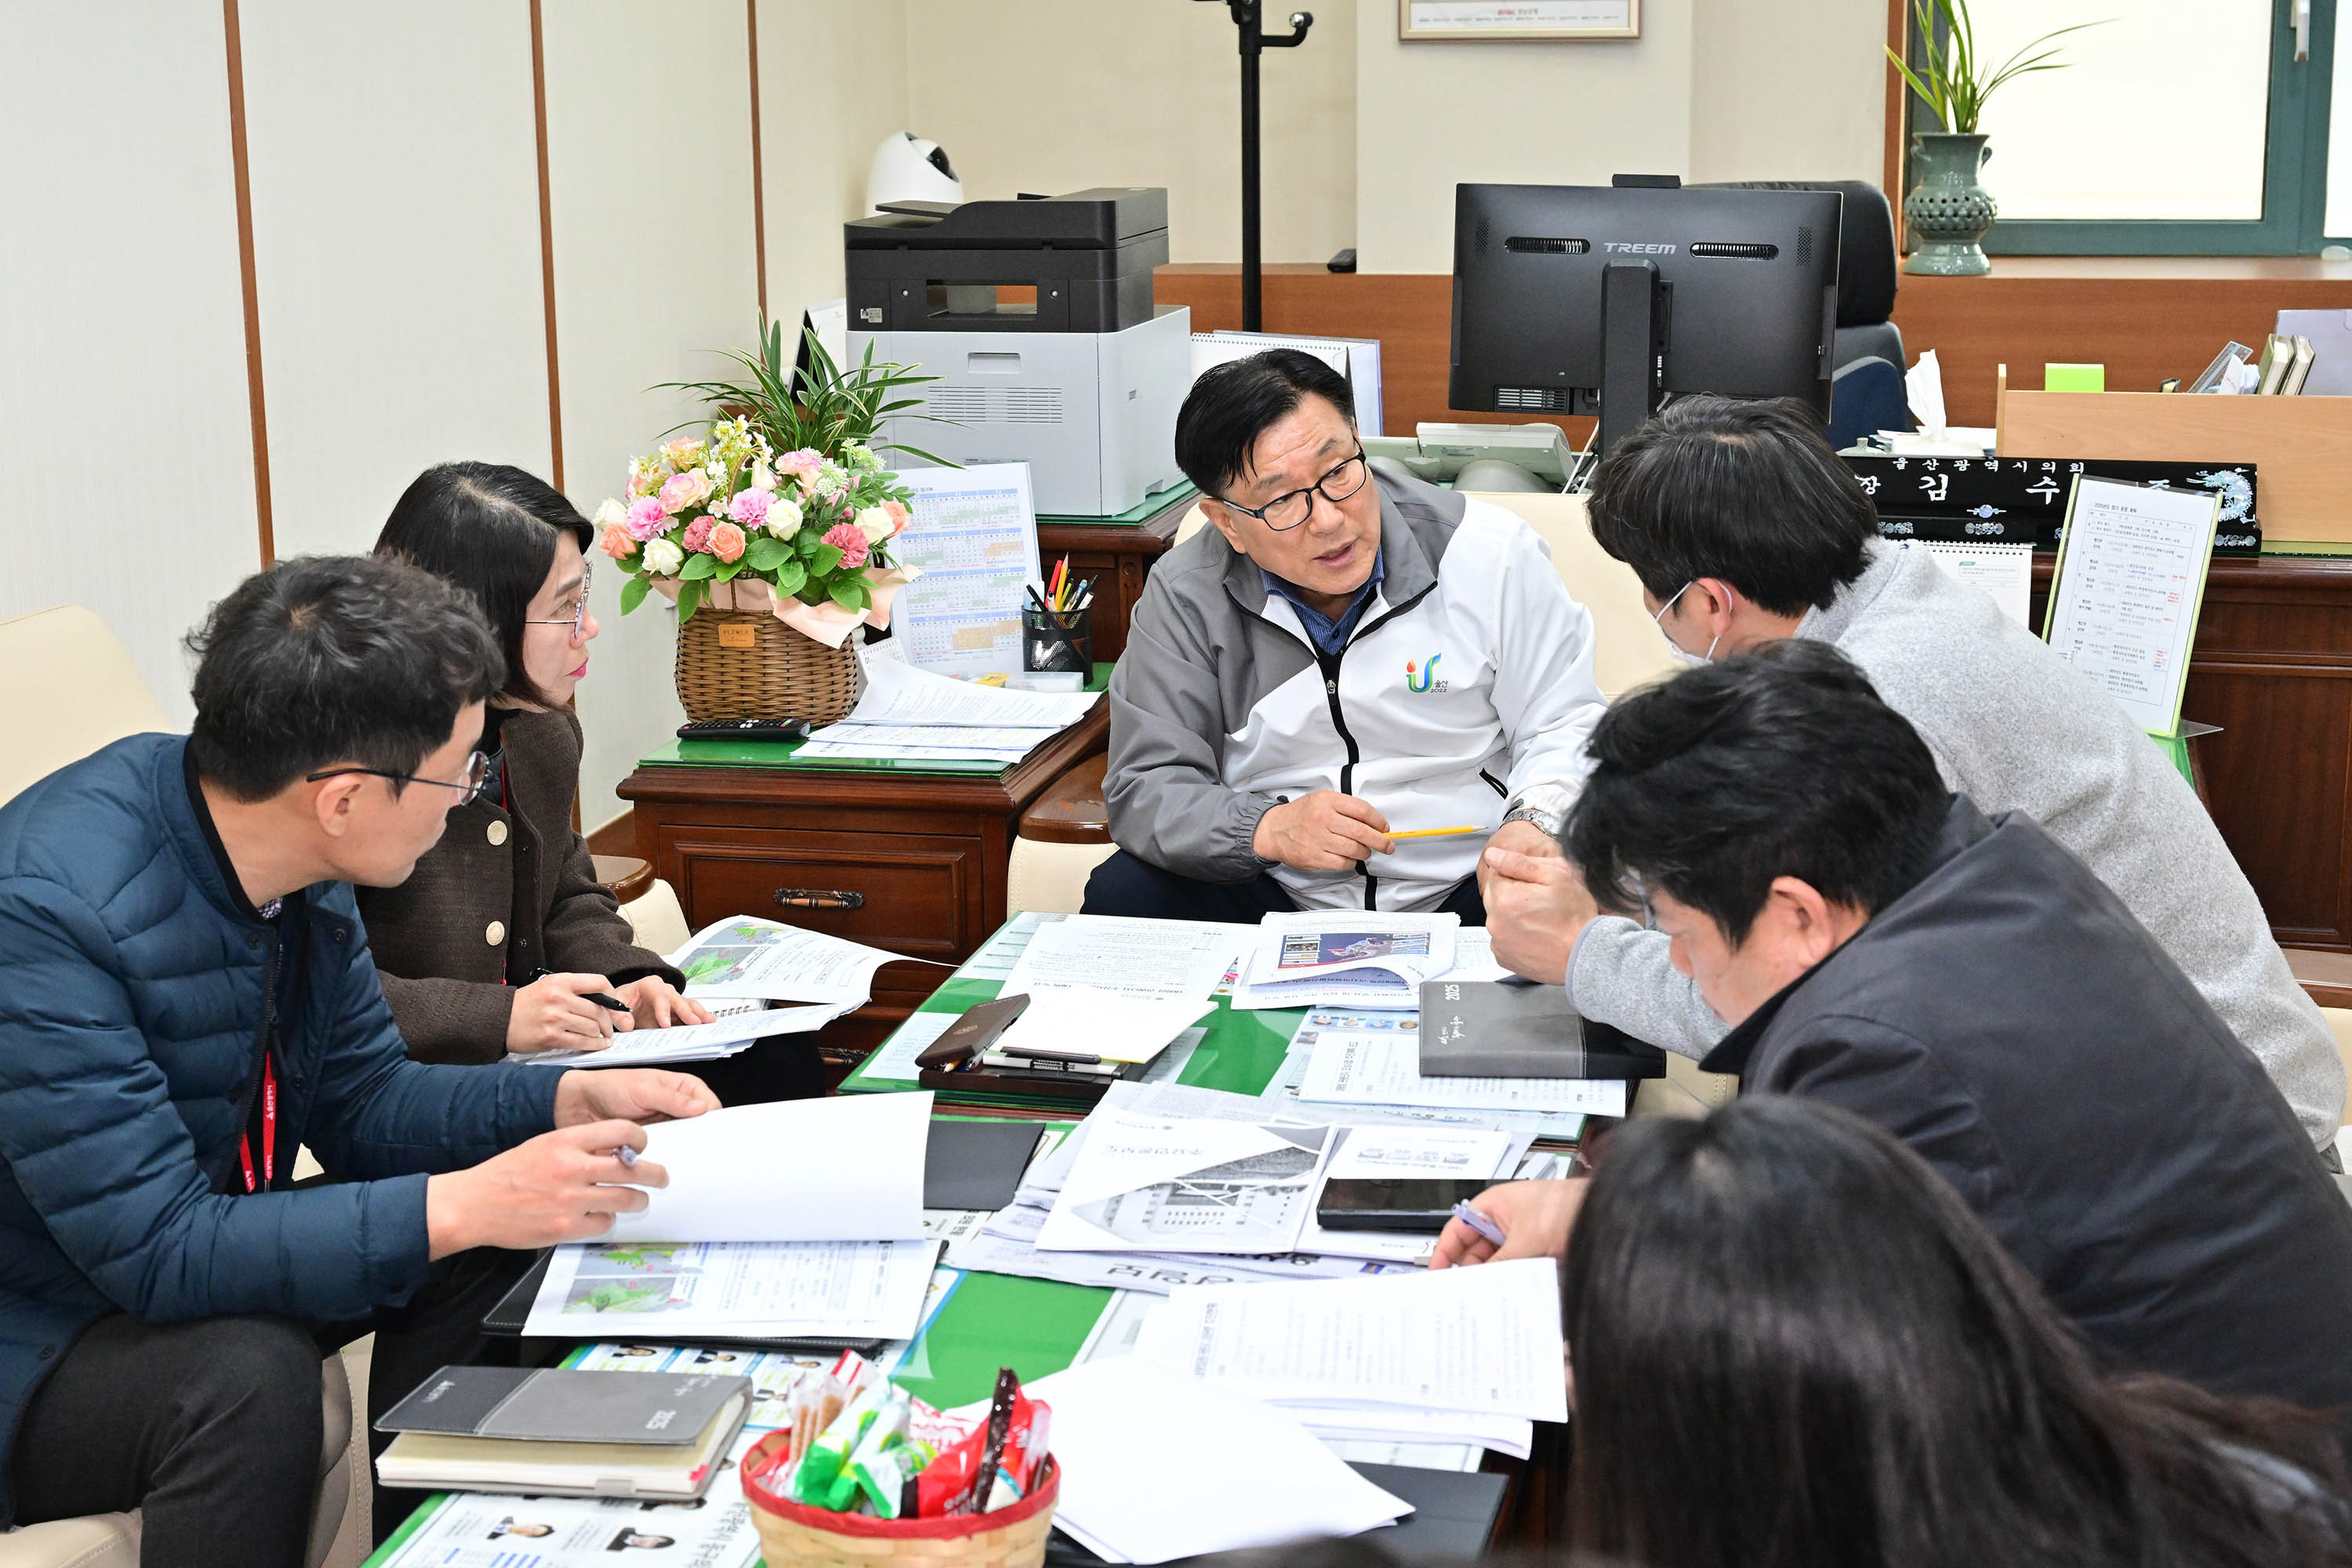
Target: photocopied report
x=1485, y=1340
x=2125, y=594
x=1382, y=1066
x=746, y=956
x=1174, y=961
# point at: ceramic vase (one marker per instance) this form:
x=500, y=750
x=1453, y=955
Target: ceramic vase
x=1948, y=208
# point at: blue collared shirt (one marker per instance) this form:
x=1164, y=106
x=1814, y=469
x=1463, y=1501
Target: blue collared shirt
x=1327, y=634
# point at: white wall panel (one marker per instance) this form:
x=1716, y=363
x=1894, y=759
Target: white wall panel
x=123, y=385
x=654, y=267
x=1059, y=95
x=395, y=217
x=832, y=83
x=1430, y=116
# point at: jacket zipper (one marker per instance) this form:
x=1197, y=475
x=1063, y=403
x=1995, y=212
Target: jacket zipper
x=1494, y=784
x=1330, y=667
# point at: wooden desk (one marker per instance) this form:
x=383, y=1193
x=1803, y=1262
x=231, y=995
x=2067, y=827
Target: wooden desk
x=909, y=861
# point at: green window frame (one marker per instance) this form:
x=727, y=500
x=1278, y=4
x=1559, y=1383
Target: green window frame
x=2294, y=170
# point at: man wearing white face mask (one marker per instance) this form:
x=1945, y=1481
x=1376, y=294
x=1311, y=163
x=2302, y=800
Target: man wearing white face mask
x=1745, y=528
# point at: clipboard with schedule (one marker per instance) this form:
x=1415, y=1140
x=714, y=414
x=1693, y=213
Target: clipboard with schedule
x=2127, y=589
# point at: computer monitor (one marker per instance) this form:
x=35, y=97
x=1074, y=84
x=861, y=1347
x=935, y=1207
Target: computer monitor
x=1600, y=299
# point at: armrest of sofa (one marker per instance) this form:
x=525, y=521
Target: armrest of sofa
x=1071, y=811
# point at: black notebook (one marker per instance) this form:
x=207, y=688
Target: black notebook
x=1515, y=1029
x=553, y=1404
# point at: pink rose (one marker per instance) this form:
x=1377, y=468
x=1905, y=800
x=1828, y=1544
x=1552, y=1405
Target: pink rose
x=698, y=535
x=618, y=542
x=682, y=491
x=851, y=543
x=804, y=461
x=750, y=508
x=726, y=541
x=647, y=518
x=898, y=517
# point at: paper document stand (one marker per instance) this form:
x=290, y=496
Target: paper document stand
x=2301, y=447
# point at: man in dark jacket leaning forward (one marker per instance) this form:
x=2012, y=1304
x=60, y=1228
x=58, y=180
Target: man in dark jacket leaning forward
x=186, y=997
x=1970, y=986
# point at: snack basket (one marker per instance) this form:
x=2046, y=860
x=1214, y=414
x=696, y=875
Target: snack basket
x=794, y=1536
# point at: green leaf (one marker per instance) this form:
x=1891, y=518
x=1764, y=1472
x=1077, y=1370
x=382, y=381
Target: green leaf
x=849, y=593
x=827, y=558
x=730, y=570
x=791, y=578
x=632, y=593
x=690, y=599
x=699, y=565
x=767, y=554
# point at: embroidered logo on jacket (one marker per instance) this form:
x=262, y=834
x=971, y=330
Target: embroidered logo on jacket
x=1424, y=677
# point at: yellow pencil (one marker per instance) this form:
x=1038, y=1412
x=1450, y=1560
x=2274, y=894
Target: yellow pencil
x=1434, y=832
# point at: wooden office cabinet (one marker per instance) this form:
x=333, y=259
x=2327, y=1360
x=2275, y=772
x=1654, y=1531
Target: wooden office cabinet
x=912, y=862
x=2272, y=666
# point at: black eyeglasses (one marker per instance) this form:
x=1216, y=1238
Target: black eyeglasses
x=1290, y=509
x=578, y=619
x=477, y=773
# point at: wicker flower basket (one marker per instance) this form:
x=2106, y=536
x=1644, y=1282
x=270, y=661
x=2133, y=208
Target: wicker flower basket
x=740, y=664
x=793, y=1535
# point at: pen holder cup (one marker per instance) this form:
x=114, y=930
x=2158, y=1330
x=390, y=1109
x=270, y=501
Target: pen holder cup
x=1057, y=640
x=794, y=1536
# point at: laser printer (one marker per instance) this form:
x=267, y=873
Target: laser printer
x=1036, y=316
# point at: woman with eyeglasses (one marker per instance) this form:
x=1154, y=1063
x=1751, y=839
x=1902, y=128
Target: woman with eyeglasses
x=503, y=939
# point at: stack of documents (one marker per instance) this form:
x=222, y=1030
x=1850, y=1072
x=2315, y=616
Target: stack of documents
x=736, y=968
x=798, y=1218
x=1156, y=1466
x=1165, y=1187
x=1346, y=959
x=1462, y=1355
x=914, y=715
x=733, y=1031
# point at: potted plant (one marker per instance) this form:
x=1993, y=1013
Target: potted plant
x=771, y=532
x=1948, y=209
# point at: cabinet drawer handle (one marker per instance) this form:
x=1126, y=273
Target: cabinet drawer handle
x=820, y=899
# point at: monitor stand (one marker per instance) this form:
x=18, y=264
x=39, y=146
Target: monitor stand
x=1635, y=305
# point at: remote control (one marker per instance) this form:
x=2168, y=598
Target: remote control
x=745, y=730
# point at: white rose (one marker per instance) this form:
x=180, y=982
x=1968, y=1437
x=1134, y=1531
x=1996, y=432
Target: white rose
x=874, y=525
x=783, y=517
x=662, y=558
x=612, y=514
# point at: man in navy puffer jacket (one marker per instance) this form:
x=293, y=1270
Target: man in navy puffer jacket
x=186, y=996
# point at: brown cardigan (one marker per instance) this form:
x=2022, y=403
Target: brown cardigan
x=506, y=892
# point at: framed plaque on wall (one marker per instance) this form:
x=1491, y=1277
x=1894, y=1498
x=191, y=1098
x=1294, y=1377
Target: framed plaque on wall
x=1515, y=21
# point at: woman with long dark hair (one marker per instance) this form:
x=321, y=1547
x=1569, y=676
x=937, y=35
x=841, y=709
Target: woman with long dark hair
x=503, y=935
x=1793, y=1344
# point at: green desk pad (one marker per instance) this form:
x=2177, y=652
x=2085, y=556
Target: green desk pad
x=1143, y=512
x=782, y=755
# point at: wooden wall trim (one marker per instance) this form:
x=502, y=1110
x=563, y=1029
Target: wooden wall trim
x=758, y=187
x=546, y=248
x=1898, y=105
x=257, y=407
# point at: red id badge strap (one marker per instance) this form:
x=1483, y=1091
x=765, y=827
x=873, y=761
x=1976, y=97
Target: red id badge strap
x=269, y=1132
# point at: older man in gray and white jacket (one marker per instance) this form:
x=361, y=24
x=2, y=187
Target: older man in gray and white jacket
x=1340, y=654
x=1745, y=528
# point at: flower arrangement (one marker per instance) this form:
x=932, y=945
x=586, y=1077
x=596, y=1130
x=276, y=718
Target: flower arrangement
x=728, y=520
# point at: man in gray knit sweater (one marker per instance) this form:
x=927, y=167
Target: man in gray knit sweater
x=1744, y=528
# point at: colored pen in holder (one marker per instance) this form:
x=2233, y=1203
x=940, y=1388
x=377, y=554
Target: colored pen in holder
x=1057, y=640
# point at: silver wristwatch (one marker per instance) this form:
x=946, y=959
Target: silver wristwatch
x=1548, y=821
